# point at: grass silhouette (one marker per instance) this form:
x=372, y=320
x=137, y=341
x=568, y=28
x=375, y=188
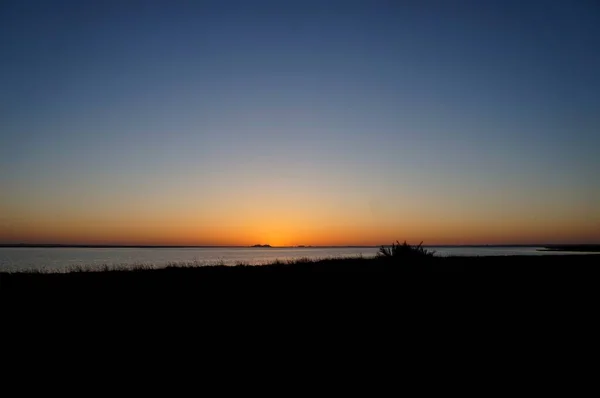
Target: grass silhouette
x=399, y=251
x=408, y=262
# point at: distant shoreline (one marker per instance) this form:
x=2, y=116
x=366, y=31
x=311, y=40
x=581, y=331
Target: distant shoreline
x=542, y=247
x=571, y=248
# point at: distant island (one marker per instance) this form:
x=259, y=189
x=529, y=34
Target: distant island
x=260, y=246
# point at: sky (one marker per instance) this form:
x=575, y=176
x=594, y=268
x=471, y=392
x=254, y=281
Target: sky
x=299, y=122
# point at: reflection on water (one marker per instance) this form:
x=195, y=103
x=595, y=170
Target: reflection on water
x=58, y=258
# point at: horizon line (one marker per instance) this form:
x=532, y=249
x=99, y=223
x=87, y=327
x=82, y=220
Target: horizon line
x=116, y=246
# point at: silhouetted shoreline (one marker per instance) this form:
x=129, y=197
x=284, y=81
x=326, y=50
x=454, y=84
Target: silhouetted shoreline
x=174, y=278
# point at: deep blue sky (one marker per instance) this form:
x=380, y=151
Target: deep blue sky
x=383, y=115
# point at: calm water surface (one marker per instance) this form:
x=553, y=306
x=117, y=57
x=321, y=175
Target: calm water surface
x=62, y=258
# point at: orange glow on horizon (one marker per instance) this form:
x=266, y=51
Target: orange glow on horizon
x=276, y=234
x=240, y=216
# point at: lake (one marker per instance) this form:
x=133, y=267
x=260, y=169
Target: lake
x=61, y=257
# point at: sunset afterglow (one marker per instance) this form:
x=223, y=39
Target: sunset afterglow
x=299, y=123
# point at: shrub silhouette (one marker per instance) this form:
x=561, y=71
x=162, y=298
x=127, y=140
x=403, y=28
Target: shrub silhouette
x=404, y=250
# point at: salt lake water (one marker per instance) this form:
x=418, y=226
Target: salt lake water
x=58, y=258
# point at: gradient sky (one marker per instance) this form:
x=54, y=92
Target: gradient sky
x=299, y=122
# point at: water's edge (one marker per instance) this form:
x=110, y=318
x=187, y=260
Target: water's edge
x=60, y=258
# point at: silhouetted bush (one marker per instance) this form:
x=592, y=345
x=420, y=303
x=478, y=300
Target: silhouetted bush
x=404, y=250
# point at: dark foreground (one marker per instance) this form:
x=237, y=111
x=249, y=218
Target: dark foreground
x=383, y=306
x=400, y=272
